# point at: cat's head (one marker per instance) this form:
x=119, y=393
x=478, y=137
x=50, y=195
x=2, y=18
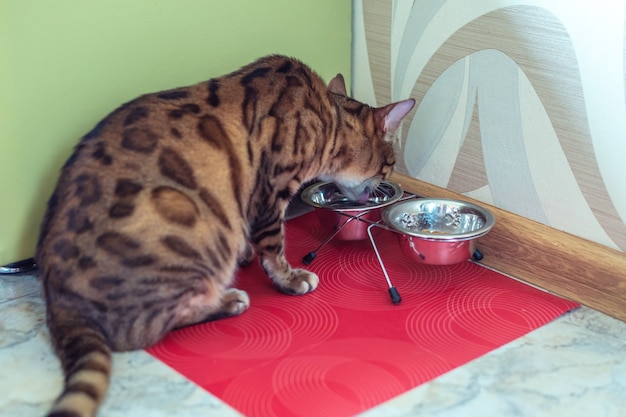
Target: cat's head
x=363, y=153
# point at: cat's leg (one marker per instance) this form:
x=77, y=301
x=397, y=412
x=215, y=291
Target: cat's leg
x=270, y=247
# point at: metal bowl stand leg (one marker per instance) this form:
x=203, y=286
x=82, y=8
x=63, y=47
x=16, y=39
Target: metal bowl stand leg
x=393, y=292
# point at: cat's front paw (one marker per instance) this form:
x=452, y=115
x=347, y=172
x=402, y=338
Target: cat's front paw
x=299, y=281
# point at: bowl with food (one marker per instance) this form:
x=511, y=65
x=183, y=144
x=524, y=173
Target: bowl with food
x=438, y=231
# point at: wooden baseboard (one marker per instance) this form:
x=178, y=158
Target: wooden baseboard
x=575, y=268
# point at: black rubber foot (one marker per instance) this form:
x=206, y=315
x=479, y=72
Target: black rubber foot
x=478, y=255
x=395, y=296
x=308, y=258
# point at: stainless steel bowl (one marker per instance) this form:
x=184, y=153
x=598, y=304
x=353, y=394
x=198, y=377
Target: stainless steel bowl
x=438, y=231
x=326, y=195
x=338, y=208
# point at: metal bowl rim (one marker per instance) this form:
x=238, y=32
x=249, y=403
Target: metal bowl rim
x=490, y=220
x=312, y=189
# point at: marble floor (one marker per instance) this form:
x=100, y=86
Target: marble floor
x=574, y=366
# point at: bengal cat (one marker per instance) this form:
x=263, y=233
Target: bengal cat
x=164, y=198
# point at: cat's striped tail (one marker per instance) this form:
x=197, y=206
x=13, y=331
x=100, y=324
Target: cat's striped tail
x=86, y=359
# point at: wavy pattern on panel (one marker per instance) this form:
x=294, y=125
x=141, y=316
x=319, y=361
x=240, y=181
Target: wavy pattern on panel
x=550, y=65
x=377, y=18
x=492, y=79
x=470, y=162
x=419, y=19
x=471, y=94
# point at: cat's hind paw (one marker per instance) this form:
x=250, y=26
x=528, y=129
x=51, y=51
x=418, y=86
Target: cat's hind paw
x=234, y=302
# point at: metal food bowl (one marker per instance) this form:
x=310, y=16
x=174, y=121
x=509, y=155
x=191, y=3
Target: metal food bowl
x=326, y=195
x=438, y=231
x=343, y=215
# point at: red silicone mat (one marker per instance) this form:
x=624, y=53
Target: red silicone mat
x=345, y=347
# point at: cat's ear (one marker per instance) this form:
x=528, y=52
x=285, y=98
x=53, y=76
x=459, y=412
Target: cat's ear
x=388, y=118
x=338, y=85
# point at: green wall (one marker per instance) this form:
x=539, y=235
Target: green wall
x=66, y=63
